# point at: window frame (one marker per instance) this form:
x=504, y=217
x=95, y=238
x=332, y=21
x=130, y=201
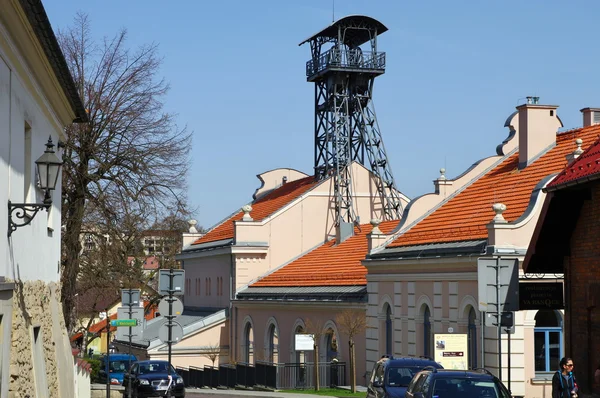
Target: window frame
x=547, y=330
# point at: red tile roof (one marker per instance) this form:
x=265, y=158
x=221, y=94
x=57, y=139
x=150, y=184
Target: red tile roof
x=465, y=216
x=585, y=166
x=261, y=208
x=329, y=264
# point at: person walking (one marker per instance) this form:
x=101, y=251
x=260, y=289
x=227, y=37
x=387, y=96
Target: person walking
x=564, y=384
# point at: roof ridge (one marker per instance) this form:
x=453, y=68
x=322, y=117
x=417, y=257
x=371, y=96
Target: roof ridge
x=463, y=216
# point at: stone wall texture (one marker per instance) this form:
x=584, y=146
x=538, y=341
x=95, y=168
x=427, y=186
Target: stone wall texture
x=38, y=304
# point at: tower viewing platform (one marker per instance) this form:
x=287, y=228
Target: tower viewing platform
x=346, y=55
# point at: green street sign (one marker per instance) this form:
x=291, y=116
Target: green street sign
x=123, y=322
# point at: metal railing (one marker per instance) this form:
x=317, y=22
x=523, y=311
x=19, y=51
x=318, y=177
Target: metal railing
x=302, y=375
x=265, y=374
x=245, y=374
x=196, y=377
x=352, y=59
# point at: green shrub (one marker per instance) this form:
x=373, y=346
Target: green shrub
x=95, y=368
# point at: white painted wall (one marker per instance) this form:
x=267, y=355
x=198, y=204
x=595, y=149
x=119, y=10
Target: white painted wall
x=33, y=251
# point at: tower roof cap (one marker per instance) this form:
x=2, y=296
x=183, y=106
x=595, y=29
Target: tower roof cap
x=360, y=30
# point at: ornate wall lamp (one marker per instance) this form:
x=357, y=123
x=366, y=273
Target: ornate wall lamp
x=48, y=170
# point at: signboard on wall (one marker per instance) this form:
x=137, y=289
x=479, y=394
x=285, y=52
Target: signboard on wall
x=305, y=342
x=541, y=295
x=452, y=350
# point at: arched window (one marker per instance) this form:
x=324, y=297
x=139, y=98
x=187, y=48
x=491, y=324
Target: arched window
x=427, y=332
x=248, y=348
x=273, y=345
x=472, y=338
x=388, y=331
x=300, y=357
x=548, y=341
x=331, y=345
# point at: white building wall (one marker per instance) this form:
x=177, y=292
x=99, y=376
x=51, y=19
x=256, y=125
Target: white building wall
x=33, y=252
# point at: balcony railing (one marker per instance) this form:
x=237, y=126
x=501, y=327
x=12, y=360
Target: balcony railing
x=351, y=59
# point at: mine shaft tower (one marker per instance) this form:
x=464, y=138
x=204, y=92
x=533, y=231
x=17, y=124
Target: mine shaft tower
x=344, y=64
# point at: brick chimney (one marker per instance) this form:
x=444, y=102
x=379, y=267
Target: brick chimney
x=590, y=116
x=538, y=125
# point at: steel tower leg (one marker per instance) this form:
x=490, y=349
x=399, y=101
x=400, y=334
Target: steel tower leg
x=377, y=156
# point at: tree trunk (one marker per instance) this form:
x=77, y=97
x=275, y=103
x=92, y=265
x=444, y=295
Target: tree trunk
x=316, y=363
x=72, y=250
x=352, y=367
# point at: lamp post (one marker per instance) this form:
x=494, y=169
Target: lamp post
x=48, y=170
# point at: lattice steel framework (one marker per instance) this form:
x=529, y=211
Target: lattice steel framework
x=345, y=122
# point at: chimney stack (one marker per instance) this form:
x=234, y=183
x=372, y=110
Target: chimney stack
x=538, y=125
x=590, y=116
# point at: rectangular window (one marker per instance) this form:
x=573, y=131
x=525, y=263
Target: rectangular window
x=548, y=349
x=39, y=363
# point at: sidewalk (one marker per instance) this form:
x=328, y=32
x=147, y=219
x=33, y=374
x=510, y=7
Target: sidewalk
x=265, y=394
x=240, y=393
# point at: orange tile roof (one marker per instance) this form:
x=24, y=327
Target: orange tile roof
x=329, y=264
x=465, y=216
x=261, y=208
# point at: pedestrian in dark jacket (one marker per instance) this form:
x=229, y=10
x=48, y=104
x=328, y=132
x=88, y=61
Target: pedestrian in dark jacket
x=564, y=384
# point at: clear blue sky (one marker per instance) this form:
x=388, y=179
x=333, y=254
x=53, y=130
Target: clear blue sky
x=455, y=71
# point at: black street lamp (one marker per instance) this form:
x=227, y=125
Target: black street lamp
x=48, y=170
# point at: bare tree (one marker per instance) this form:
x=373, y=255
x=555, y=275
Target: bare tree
x=130, y=161
x=316, y=329
x=351, y=323
x=212, y=352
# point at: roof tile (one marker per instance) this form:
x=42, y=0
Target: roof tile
x=261, y=208
x=328, y=264
x=586, y=165
x=465, y=216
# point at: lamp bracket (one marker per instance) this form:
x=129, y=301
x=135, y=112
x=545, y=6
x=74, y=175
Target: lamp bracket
x=23, y=213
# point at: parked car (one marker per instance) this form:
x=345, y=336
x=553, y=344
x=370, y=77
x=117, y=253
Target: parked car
x=391, y=375
x=442, y=383
x=151, y=379
x=117, y=366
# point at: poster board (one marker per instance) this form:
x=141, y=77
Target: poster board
x=305, y=342
x=451, y=350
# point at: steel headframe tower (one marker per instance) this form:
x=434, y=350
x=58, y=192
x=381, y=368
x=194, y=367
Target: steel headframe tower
x=345, y=123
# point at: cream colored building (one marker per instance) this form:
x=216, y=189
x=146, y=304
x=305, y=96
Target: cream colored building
x=424, y=279
x=291, y=214
x=37, y=100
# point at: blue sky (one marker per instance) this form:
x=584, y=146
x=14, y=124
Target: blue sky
x=455, y=71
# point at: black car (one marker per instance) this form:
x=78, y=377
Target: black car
x=151, y=379
x=391, y=375
x=436, y=383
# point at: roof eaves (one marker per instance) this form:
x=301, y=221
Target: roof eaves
x=203, y=247
x=432, y=250
x=572, y=183
x=38, y=19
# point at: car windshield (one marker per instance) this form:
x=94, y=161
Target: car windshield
x=155, y=367
x=401, y=376
x=461, y=388
x=118, y=366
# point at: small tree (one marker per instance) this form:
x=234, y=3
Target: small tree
x=351, y=323
x=212, y=352
x=316, y=329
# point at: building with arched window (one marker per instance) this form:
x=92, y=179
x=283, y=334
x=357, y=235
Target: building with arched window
x=428, y=268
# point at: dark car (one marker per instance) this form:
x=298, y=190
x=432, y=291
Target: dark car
x=117, y=366
x=151, y=379
x=391, y=375
x=437, y=383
